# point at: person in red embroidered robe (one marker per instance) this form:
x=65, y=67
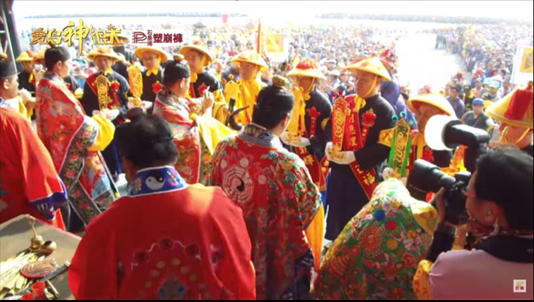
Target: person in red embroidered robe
x=74, y=141
x=187, y=242
x=29, y=183
x=277, y=195
x=195, y=132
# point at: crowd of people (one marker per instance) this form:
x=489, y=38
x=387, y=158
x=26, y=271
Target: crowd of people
x=487, y=51
x=255, y=179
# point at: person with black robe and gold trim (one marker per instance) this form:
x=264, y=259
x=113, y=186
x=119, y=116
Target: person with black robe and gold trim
x=306, y=130
x=107, y=90
x=198, y=57
x=359, y=129
x=151, y=58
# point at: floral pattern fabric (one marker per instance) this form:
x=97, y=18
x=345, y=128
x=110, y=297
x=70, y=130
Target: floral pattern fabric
x=376, y=254
x=279, y=200
x=68, y=134
x=193, y=160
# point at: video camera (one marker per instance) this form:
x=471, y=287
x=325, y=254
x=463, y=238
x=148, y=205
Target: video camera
x=444, y=133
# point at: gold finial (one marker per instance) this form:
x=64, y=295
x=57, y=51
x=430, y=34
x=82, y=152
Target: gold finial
x=280, y=82
x=178, y=57
x=37, y=240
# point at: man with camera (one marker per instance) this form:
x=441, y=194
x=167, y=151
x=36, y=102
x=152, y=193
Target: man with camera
x=498, y=204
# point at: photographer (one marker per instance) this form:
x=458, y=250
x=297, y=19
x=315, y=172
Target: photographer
x=499, y=206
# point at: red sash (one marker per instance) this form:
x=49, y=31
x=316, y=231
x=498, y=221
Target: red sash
x=316, y=169
x=347, y=135
x=114, y=104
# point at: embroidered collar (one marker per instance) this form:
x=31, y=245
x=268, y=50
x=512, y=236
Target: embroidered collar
x=153, y=71
x=165, y=95
x=155, y=180
x=259, y=135
x=107, y=72
x=52, y=76
x=168, y=98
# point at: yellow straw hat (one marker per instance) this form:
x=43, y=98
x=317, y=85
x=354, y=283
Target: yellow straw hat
x=141, y=50
x=26, y=56
x=434, y=99
x=370, y=65
x=103, y=51
x=514, y=109
x=306, y=68
x=198, y=46
x=251, y=57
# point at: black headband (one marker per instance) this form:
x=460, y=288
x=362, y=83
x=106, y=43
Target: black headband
x=7, y=67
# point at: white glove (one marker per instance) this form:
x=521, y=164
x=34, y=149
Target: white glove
x=26, y=96
x=387, y=173
x=208, y=100
x=340, y=158
x=109, y=114
x=147, y=105
x=300, y=143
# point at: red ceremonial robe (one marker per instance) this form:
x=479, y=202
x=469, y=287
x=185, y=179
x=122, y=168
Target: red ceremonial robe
x=177, y=112
x=279, y=201
x=29, y=183
x=195, y=135
x=69, y=136
x=166, y=240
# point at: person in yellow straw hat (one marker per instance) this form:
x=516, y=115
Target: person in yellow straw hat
x=27, y=75
x=358, y=132
x=152, y=58
x=306, y=130
x=245, y=90
x=198, y=57
x=514, y=112
x=424, y=106
x=107, y=90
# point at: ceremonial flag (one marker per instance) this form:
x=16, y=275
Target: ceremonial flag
x=522, y=70
x=259, y=46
